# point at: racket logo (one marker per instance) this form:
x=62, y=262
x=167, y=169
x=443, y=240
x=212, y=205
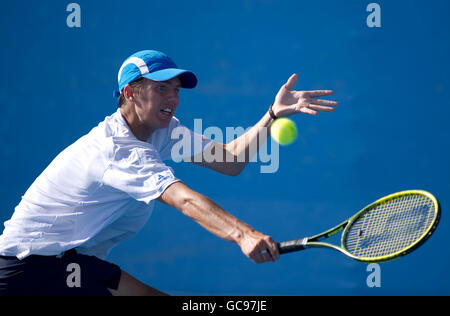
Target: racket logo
x=394, y=230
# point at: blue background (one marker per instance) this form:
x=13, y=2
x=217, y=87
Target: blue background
x=390, y=132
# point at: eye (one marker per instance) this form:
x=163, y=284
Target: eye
x=161, y=87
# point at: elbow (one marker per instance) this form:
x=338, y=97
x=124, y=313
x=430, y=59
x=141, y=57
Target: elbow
x=229, y=172
x=234, y=173
x=236, y=170
x=178, y=195
x=232, y=166
x=184, y=206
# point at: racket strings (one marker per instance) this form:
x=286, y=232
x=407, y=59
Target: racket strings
x=390, y=227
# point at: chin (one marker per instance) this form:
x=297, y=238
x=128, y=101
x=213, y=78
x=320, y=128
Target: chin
x=164, y=121
x=163, y=124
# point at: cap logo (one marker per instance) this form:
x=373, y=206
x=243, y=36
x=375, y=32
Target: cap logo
x=138, y=62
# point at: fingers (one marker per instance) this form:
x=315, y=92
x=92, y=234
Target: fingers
x=316, y=106
x=261, y=256
x=266, y=250
x=306, y=104
x=324, y=102
x=291, y=82
x=320, y=108
x=317, y=93
x=307, y=110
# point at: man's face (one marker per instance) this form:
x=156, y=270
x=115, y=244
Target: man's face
x=157, y=102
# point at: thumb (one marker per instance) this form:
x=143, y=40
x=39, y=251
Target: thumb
x=291, y=82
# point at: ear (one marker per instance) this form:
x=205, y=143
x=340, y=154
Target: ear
x=128, y=91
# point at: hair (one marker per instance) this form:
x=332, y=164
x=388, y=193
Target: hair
x=137, y=85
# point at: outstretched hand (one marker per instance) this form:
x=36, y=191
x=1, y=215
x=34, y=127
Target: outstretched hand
x=289, y=101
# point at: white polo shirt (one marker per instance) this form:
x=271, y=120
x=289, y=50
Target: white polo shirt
x=96, y=193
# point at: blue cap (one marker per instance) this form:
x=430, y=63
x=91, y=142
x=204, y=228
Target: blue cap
x=153, y=65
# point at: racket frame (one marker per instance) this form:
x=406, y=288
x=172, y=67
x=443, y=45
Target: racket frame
x=315, y=241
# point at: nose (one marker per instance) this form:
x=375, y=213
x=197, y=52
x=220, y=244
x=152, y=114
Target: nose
x=173, y=95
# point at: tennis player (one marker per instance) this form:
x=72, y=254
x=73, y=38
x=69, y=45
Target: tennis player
x=101, y=190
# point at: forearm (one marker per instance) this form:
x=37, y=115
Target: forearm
x=213, y=218
x=233, y=157
x=248, y=144
x=205, y=212
x=255, y=245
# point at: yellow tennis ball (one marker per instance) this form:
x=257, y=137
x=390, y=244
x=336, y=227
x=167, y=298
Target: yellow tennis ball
x=284, y=131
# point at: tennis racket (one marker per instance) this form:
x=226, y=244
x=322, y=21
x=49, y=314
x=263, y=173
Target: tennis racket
x=389, y=228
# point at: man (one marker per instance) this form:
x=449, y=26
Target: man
x=101, y=190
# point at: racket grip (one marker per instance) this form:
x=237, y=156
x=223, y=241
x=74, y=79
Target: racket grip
x=292, y=245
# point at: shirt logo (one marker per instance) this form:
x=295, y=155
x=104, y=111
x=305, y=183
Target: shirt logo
x=160, y=179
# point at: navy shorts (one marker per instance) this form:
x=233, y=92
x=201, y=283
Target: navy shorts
x=70, y=275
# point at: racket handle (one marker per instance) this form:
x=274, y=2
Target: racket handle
x=292, y=245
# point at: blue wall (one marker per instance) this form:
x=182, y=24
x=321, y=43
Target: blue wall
x=390, y=132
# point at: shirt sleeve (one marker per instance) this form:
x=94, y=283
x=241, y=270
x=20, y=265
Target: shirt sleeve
x=181, y=142
x=137, y=170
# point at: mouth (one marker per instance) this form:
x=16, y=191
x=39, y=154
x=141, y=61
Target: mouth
x=168, y=111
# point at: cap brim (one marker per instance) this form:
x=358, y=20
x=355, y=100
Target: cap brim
x=187, y=78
